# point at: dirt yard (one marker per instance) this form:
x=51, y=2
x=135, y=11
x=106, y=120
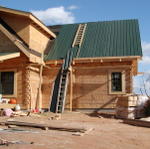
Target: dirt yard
x=108, y=133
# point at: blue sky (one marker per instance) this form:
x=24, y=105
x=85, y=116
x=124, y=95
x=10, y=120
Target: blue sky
x=72, y=11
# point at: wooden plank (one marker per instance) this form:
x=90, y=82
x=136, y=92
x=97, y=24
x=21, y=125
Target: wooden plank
x=136, y=122
x=43, y=126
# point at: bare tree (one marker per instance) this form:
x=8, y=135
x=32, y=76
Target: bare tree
x=145, y=90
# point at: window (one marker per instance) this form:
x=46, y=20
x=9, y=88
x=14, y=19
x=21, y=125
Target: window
x=7, y=83
x=117, y=82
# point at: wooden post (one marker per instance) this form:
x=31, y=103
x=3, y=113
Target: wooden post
x=71, y=88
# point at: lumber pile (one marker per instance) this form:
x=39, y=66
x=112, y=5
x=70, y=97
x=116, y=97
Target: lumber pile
x=126, y=107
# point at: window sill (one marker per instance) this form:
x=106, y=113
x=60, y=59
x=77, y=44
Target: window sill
x=9, y=96
x=117, y=93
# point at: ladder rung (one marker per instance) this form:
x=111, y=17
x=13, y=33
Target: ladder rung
x=61, y=93
x=59, y=105
x=60, y=101
x=61, y=97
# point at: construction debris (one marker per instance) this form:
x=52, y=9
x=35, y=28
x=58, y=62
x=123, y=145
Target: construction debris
x=6, y=142
x=83, y=133
x=55, y=117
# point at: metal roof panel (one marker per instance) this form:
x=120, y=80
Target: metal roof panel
x=101, y=39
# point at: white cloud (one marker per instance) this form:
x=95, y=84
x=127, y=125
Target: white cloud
x=146, y=47
x=145, y=60
x=72, y=7
x=56, y=15
x=146, y=53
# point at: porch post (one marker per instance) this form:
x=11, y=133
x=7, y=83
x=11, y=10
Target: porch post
x=39, y=89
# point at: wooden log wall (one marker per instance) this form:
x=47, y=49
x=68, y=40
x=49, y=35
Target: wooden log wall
x=90, y=84
x=38, y=41
x=49, y=76
x=27, y=81
x=18, y=65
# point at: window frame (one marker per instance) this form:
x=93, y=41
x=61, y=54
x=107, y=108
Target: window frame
x=123, y=82
x=15, y=83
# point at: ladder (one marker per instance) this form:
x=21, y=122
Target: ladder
x=60, y=92
x=79, y=35
x=63, y=84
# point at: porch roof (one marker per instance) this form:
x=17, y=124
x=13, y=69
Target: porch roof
x=6, y=56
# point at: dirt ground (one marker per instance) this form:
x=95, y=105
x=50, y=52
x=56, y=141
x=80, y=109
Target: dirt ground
x=108, y=133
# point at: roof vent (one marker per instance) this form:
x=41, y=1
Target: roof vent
x=79, y=35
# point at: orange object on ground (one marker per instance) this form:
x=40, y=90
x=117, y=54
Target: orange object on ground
x=12, y=101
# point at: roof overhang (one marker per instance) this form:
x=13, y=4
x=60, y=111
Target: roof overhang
x=29, y=15
x=98, y=59
x=106, y=59
x=6, y=56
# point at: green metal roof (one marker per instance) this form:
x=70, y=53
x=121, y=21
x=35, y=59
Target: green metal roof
x=101, y=39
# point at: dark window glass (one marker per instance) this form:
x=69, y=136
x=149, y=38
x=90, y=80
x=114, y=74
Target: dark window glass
x=7, y=83
x=116, y=81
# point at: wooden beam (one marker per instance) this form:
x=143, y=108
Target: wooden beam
x=102, y=67
x=137, y=122
x=54, y=62
x=106, y=59
x=135, y=67
x=99, y=59
x=36, y=125
x=71, y=88
x=39, y=97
